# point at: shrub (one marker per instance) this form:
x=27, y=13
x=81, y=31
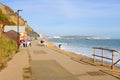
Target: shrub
x=3, y=17
x=7, y=47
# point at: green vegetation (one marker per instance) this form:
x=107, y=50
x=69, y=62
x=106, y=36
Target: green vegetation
x=7, y=47
x=12, y=23
x=4, y=19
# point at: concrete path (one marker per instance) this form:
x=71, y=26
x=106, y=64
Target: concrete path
x=47, y=64
x=14, y=69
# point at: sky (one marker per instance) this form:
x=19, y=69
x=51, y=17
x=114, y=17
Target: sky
x=70, y=17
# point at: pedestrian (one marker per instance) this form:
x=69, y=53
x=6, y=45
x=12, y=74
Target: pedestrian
x=21, y=44
x=59, y=45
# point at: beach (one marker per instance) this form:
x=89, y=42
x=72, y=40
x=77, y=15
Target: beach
x=86, y=47
x=51, y=63
x=80, y=57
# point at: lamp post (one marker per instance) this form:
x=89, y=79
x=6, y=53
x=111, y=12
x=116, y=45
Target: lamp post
x=18, y=24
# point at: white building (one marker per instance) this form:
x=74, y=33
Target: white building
x=15, y=28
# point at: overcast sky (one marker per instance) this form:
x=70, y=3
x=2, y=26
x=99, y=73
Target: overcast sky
x=70, y=17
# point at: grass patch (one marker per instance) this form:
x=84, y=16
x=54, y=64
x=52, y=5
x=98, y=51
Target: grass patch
x=7, y=47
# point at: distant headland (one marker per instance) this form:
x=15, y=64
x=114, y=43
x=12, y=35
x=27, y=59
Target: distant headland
x=81, y=37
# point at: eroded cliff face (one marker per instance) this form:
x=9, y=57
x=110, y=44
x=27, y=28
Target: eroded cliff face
x=9, y=17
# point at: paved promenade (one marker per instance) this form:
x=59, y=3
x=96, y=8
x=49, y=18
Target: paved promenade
x=14, y=69
x=46, y=64
x=50, y=65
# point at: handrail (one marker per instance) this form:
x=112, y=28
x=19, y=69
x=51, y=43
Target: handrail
x=103, y=57
x=107, y=49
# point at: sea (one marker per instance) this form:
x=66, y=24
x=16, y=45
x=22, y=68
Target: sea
x=85, y=46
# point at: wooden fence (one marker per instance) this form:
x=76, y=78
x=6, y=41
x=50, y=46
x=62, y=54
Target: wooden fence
x=113, y=52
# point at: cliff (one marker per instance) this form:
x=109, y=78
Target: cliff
x=9, y=17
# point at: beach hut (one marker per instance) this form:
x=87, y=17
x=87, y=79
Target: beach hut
x=24, y=37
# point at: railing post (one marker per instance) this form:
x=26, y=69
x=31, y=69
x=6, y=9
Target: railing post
x=112, y=59
x=94, y=55
x=102, y=56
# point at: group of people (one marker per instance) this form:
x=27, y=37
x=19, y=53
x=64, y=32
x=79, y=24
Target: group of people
x=24, y=43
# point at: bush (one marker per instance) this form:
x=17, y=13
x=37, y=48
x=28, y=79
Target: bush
x=7, y=47
x=3, y=17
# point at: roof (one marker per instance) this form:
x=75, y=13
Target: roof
x=13, y=35
x=14, y=28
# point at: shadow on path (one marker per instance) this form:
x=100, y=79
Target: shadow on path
x=50, y=70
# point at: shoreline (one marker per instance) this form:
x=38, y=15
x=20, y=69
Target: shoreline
x=83, y=58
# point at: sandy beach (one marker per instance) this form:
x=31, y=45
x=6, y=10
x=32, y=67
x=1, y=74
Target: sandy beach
x=50, y=63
